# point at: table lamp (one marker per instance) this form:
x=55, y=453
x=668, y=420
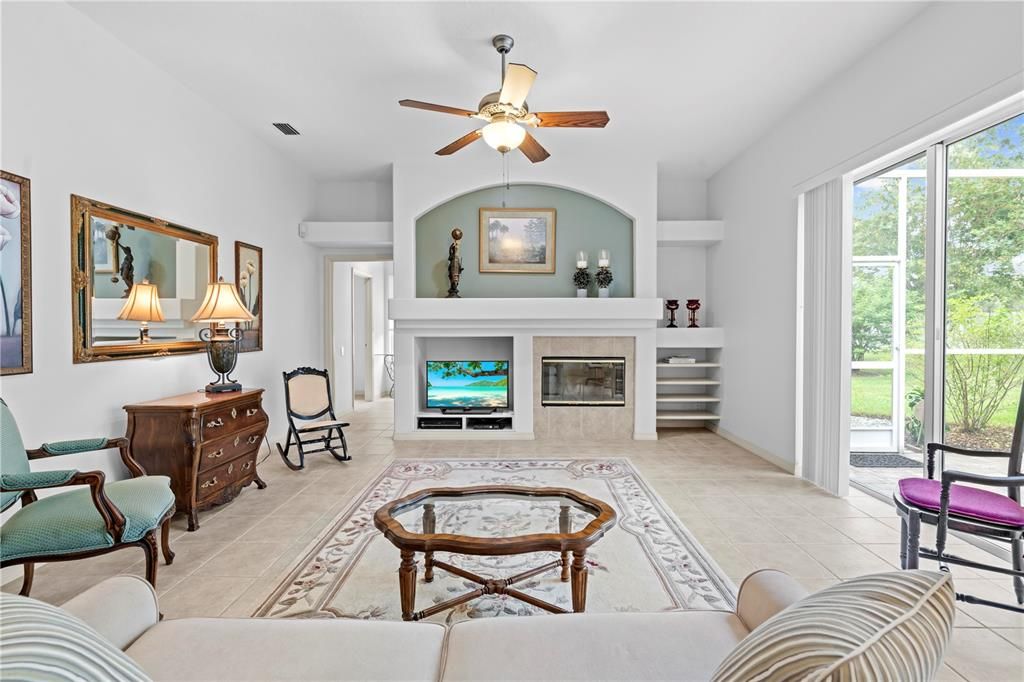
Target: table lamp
x=221, y=306
x=142, y=306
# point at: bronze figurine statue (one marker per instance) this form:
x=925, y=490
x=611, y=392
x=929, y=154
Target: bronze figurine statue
x=127, y=268
x=127, y=264
x=454, y=265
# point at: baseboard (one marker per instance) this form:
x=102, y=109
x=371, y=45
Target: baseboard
x=637, y=435
x=747, y=445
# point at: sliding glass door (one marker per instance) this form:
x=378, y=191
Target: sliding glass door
x=957, y=251
x=984, y=288
x=887, y=334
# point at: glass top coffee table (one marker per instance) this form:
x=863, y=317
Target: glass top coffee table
x=516, y=520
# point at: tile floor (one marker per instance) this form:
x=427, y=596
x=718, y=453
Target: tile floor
x=745, y=511
x=883, y=480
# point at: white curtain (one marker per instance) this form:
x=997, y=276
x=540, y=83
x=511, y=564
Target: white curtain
x=824, y=419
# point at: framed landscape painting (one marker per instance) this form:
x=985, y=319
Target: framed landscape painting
x=15, y=274
x=249, y=280
x=520, y=240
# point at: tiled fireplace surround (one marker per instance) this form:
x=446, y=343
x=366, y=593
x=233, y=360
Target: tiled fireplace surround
x=586, y=422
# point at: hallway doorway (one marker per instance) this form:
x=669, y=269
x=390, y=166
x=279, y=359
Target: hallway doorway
x=357, y=341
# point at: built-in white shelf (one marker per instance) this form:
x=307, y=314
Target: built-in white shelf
x=687, y=395
x=526, y=311
x=689, y=365
x=682, y=337
x=438, y=413
x=674, y=407
x=347, y=234
x=696, y=415
x=688, y=382
x=461, y=425
x=688, y=398
x=690, y=232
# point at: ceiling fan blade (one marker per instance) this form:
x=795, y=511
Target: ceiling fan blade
x=427, y=106
x=463, y=141
x=572, y=119
x=532, y=149
x=516, y=84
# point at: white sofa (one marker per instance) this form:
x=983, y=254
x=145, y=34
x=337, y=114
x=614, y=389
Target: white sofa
x=681, y=645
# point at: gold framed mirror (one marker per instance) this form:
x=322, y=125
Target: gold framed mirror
x=112, y=251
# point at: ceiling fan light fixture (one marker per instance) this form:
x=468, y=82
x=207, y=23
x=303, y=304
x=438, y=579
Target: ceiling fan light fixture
x=504, y=134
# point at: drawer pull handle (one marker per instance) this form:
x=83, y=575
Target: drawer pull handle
x=253, y=438
x=251, y=411
x=247, y=466
x=234, y=413
x=211, y=482
x=216, y=422
x=231, y=467
x=237, y=440
x=216, y=453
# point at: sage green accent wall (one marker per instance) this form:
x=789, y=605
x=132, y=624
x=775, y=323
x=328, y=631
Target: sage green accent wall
x=581, y=223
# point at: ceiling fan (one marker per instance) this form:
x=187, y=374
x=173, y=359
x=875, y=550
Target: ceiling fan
x=507, y=114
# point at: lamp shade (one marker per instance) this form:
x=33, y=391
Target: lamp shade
x=143, y=304
x=222, y=304
x=503, y=134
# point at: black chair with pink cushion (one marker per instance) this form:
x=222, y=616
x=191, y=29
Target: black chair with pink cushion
x=972, y=509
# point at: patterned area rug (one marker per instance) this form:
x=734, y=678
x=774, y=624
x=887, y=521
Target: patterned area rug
x=648, y=562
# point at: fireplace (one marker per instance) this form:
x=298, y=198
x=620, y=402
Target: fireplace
x=583, y=381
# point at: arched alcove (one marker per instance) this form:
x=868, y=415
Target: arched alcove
x=582, y=222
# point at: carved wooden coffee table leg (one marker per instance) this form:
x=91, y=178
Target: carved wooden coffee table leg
x=407, y=583
x=579, y=582
x=563, y=528
x=428, y=528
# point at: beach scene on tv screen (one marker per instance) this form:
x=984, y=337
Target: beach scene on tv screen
x=467, y=383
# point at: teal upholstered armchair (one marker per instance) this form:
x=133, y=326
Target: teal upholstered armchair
x=81, y=522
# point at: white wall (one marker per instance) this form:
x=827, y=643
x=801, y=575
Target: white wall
x=360, y=335
x=84, y=114
x=682, y=198
x=951, y=60
x=341, y=341
x=682, y=274
x=351, y=201
x=340, y=200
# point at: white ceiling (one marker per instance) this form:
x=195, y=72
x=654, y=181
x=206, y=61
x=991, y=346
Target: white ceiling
x=689, y=84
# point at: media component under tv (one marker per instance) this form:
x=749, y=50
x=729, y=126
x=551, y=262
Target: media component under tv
x=467, y=384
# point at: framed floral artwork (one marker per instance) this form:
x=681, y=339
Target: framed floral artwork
x=249, y=279
x=15, y=274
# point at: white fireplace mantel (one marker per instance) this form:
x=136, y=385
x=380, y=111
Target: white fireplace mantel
x=527, y=312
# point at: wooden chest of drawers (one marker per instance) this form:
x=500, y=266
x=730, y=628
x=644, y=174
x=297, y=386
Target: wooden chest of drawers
x=207, y=443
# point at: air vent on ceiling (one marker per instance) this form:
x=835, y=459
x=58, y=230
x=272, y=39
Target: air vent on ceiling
x=286, y=128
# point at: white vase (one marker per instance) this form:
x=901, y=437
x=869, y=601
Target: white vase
x=581, y=293
x=602, y=292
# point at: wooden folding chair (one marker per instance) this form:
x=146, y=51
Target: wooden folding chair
x=311, y=419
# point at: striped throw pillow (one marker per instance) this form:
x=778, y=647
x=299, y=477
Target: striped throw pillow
x=889, y=626
x=42, y=642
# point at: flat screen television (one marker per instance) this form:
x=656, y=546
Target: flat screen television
x=453, y=384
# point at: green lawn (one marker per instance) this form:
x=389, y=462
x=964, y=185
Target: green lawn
x=871, y=393
x=871, y=396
